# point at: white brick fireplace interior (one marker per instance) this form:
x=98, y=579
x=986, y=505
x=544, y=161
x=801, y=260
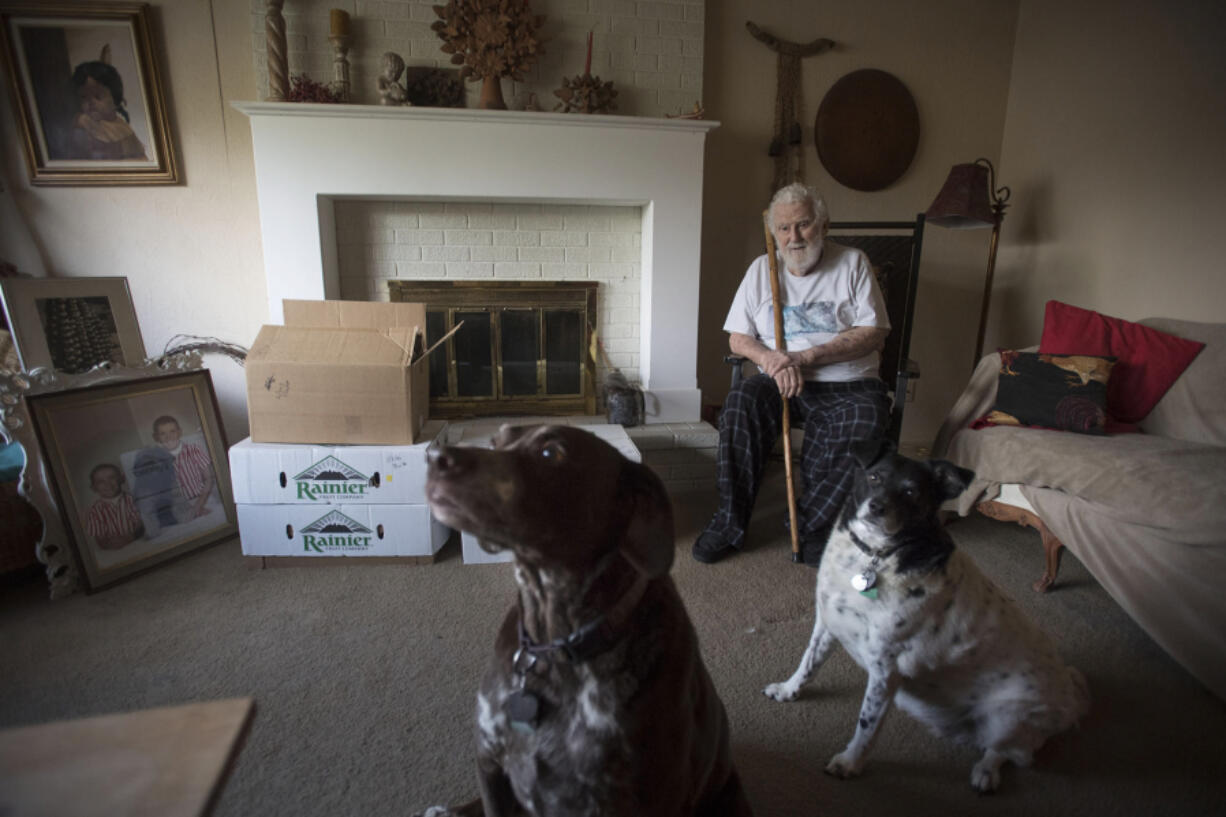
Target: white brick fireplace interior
x=310, y=158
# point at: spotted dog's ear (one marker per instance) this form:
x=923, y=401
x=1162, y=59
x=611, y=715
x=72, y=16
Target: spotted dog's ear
x=648, y=542
x=867, y=452
x=952, y=478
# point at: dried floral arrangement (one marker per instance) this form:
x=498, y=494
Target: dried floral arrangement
x=490, y=39
x=586, y=93
x=434, y=88
x=304, y=89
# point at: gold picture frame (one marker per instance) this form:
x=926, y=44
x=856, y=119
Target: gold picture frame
x=72, y=324
x=88, y=93
x=138, y=472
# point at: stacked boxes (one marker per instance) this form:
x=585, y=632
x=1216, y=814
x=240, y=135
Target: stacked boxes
x=353, y=500
x=336, y=463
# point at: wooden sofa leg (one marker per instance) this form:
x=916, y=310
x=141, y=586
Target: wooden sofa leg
x=1051, y=545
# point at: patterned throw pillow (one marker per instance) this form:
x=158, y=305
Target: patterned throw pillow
x=1063, y=392
x=1149, y=361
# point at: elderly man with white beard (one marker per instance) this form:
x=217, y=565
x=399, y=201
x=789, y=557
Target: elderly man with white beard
x=835, y=325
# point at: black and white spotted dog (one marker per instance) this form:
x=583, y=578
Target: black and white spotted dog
x=934, y=634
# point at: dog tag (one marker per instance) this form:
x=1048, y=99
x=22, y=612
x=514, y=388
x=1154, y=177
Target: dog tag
x=864, y=580
x=522, y=710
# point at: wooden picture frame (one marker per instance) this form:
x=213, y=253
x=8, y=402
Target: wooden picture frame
x=88, y=93
x=72, y=324
x=137, y=470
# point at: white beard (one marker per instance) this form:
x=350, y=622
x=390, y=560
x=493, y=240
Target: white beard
x=800, y=258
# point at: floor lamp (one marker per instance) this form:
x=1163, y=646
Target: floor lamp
x=963, y=204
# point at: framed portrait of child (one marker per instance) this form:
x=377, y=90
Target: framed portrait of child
x=88, y=92
x=140, y=471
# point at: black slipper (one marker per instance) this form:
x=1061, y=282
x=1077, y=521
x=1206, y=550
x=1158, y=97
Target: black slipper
x=711, y=547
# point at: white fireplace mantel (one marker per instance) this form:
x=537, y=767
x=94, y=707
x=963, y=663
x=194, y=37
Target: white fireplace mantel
x=307, y=156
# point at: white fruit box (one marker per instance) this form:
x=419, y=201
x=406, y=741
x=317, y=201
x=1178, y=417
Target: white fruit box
x=289, y=473
x=340, y=530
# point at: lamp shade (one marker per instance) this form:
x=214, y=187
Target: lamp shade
x=962, y=203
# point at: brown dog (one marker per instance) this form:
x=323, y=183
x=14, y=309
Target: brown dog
x=596, y=701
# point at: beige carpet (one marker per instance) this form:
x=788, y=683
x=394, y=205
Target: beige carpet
x=364, y=676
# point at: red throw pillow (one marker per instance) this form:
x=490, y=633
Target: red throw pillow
x=1148, y=361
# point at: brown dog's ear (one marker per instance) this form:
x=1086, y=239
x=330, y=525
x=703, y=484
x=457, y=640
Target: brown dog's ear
x=507, y=435
x=867, y=452
x=648, y=542
x=952, y=478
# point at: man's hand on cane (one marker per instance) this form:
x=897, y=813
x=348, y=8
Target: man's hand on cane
x=789, y=379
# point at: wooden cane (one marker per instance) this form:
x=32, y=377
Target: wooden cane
x=781, y=345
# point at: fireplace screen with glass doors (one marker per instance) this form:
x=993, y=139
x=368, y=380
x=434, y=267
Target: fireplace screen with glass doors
x=524, y=347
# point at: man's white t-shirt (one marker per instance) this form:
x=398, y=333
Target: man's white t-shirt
x=839, y=293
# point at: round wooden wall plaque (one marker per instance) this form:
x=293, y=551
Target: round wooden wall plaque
x=867, y=130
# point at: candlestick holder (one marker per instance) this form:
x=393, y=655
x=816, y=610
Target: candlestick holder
x=340, y=66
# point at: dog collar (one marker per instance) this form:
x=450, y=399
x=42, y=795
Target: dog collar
x=865, y=582
x=522, y=706
x=585, y=643
x=875, y=555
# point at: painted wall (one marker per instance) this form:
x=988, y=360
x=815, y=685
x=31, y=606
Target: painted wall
x=954, y=57
x=1113, y=148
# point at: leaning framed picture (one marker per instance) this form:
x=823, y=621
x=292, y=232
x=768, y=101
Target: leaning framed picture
x=139, y=471
x=88, y=93
x=72, y=324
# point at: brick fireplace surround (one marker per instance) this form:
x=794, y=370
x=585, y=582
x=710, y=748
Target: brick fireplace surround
x=308, y=157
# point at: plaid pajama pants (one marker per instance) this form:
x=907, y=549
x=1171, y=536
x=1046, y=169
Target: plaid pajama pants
x=833, y=415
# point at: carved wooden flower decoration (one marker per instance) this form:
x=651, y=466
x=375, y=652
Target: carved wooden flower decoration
x=490, y=38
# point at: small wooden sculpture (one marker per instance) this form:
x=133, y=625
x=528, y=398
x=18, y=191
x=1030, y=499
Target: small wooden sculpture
x=785, y=147
x=698, y=112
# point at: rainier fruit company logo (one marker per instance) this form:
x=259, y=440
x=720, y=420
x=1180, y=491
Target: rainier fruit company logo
x=335, y=533
x=330, y=478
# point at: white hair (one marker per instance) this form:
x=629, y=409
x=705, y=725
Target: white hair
x=799, y=193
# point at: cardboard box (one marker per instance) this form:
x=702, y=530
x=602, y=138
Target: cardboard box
x=340, y=530
x=340, y=372
x=285, y=473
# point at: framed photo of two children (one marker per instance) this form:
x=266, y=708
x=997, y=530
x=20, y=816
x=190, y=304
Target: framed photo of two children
x=140, y=471
x=88, y=93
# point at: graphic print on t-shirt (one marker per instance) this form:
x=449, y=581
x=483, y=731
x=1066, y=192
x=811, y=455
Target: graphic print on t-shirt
x=808, y=319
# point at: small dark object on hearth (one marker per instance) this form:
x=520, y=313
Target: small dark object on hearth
x=434, y=88
x=304, y=89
